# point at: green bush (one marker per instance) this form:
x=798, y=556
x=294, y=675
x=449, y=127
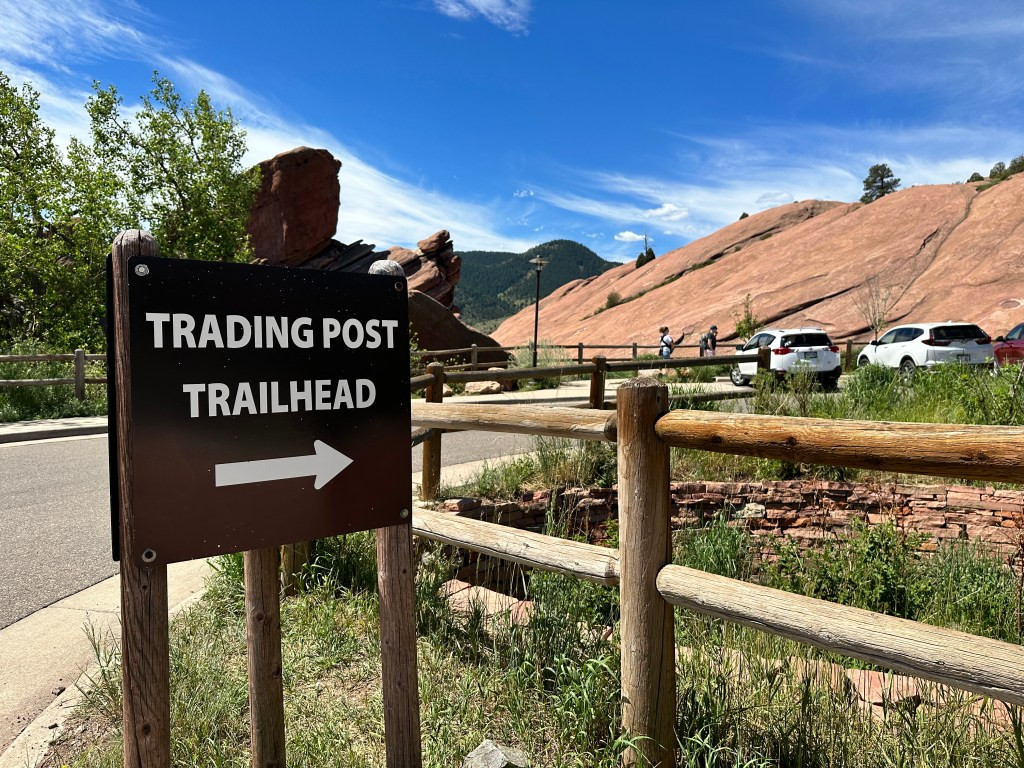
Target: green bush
x=874, y=567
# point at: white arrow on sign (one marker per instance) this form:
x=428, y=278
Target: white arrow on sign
x=325, y=464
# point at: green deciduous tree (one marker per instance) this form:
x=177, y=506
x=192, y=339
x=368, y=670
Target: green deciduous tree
x=879, y=182
x=181, y=166
x=997, y=170
x=176, y=171
x=1016, y=165
x=976, y=177
x=50, y=267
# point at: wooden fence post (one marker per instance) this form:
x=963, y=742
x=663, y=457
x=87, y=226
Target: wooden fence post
x=473, y=356
x=396, y=589
x=145, y=663
x=430, y=475
x=294, y=557
x=764, y=359
x=645, y=547
x=634, y=350
x=80, y=374
x=263, y=640
x=848, y=363
x=579, y=353
x=597, y=382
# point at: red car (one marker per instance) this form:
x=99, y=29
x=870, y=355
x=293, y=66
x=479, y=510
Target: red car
x=1009, y=349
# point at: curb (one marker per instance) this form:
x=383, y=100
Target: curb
x=50, y=433
x=33, y=744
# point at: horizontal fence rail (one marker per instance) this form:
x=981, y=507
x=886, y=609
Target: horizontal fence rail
x=989, y=667
x=513, y=374
x=550, y=421
x=533, y=550
x=78, y=359
x=970, y=452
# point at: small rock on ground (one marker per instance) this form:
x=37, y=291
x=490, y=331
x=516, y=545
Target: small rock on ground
x=490, y=754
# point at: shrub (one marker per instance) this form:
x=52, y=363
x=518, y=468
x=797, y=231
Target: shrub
x=976, y=177
x=613, y=300
x=877, y=568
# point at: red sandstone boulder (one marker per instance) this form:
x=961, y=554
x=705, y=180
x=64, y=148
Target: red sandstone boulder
x=293, y=221
x=295, y=213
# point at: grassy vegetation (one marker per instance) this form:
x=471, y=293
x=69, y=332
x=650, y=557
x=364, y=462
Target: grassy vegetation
x=551, y=687
x=20, y=403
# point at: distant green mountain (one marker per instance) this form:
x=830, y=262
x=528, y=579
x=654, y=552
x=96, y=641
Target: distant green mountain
x=495, y=285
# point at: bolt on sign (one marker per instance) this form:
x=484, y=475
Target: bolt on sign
x=267, y=406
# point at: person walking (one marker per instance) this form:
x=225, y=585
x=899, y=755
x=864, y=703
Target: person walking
x=709, y=342
x=667, y=345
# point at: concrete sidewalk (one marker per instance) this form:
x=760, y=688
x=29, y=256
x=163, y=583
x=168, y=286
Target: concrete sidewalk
x=45, y=654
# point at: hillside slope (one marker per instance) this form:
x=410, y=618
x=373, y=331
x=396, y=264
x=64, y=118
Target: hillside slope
x=947, y=251
x=494, y=285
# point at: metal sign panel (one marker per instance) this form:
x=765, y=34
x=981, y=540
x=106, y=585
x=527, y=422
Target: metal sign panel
x=268, y=406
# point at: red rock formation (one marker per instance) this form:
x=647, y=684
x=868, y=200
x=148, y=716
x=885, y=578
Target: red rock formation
x=949, y=251
x=293, y=221
x=295, y=213
x=433, y=268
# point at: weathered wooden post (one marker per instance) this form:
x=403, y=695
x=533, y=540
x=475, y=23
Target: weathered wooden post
x=597, y=382
x=634, y=350
x=144, y=646
x=294, y=557
x=396, y=590
x=579, y=353
x=848, y=363
x=764, y=359
x=430, y=475
x=473, y=357
x=80, y=374
x=263, y=639
x=648, y=642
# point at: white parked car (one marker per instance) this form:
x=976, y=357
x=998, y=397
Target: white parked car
x=793, y=349
x=923, y=345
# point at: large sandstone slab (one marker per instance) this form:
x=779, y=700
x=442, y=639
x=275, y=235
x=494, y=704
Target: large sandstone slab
x=949, y=252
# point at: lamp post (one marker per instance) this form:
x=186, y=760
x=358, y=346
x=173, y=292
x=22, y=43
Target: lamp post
x=538, y=265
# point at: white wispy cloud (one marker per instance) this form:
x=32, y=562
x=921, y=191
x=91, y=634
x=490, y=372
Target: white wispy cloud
x=375, y=206
x=510, y=15
x=631, y=237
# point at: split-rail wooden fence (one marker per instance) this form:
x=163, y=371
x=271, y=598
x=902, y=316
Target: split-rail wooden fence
x=650, y=586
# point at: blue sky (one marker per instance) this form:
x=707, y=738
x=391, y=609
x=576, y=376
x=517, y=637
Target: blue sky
x=514, y=122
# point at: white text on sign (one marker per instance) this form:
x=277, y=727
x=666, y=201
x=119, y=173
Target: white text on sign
x=180, y=330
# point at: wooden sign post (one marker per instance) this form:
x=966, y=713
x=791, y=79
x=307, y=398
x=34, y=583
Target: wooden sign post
x=240, y=396
x=145, y=662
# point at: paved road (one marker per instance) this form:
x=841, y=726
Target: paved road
x=55, y=513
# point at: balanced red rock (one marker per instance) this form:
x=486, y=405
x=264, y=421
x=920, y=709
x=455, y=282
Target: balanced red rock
x=295, y=213
x=293, y=222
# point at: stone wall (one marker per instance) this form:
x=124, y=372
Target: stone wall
x=805, y=511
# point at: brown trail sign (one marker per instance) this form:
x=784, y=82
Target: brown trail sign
x=253, y=407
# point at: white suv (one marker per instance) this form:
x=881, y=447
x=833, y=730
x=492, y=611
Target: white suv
x=793, y=349
x=923, y=345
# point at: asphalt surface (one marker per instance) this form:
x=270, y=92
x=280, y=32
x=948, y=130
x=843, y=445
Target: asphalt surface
x=55, y=513
x=55, y=518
